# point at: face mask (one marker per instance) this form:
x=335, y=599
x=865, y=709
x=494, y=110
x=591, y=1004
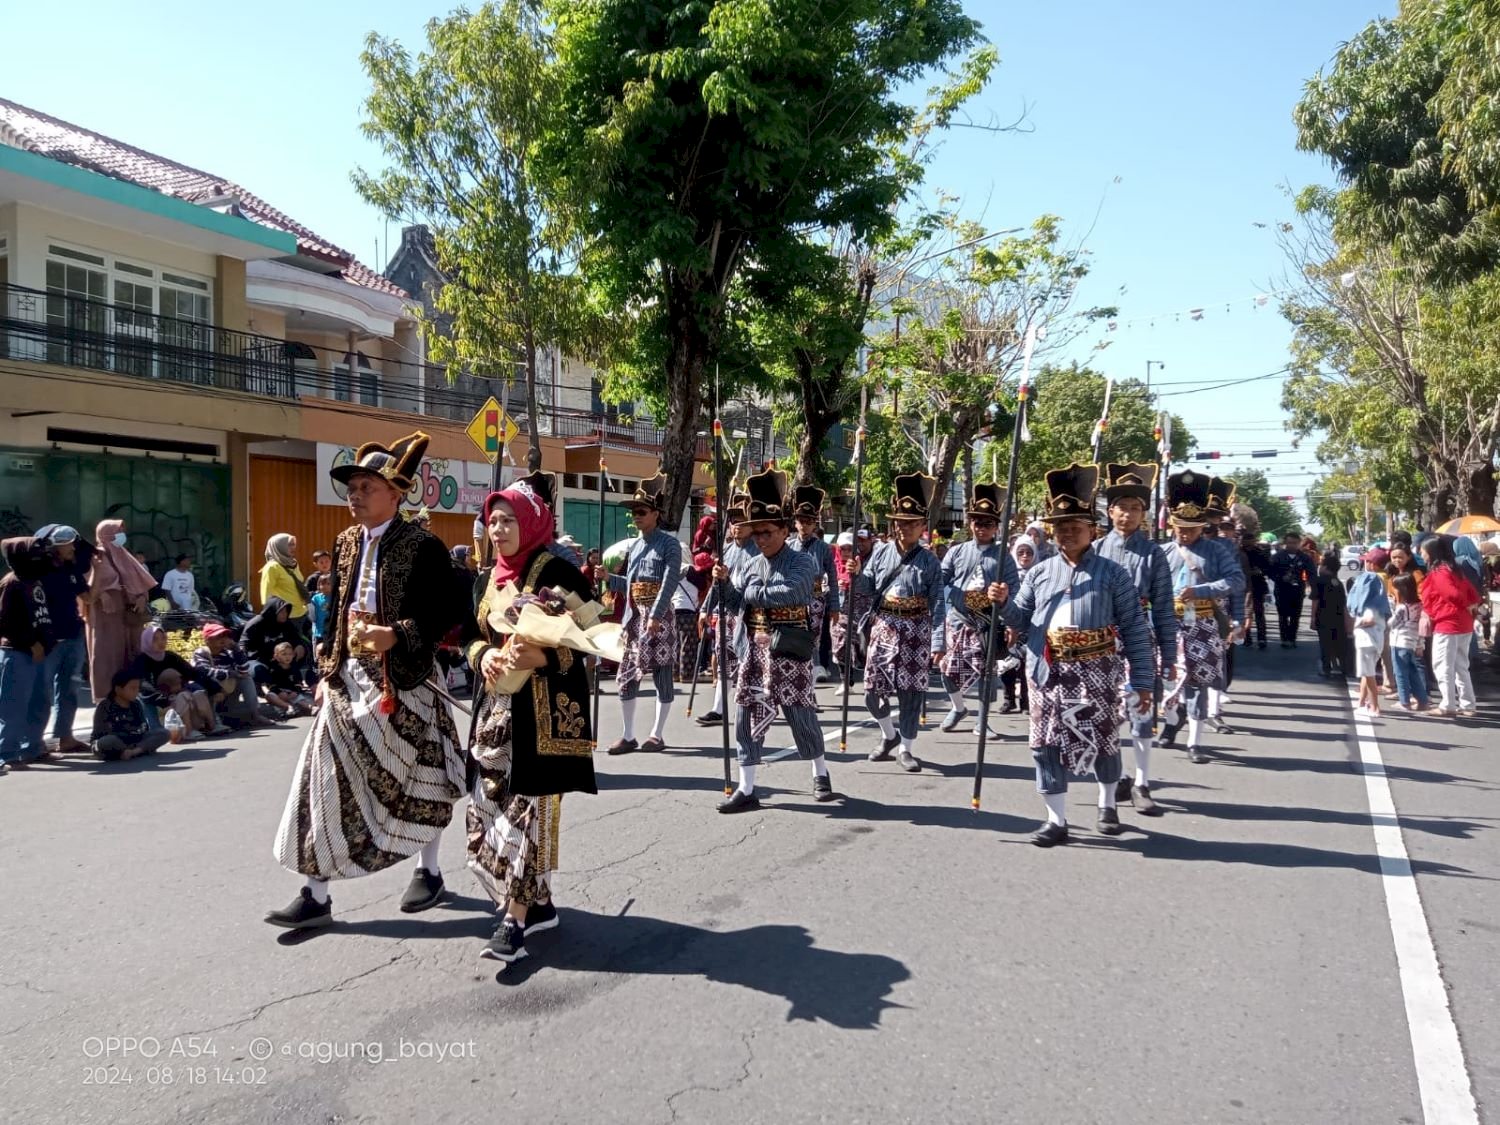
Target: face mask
x=119, y=539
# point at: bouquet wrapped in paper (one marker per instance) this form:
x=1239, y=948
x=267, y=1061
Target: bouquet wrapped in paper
x=552, y=618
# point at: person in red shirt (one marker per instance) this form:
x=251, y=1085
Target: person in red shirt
x=1450, y=599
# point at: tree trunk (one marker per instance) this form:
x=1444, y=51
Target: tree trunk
x=533, y=431
x=1481, y=492
x=686, y=372
x=968, y=470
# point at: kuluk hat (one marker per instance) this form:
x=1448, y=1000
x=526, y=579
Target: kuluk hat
x=1187, y=498
x=1220, y=498
x=650, y=493
x=1070, y=493
x=913, y=496
x=988, y=501
x=396, y=463
x=768, y=498
x=808, y=501
x=739, y=507
x=1129, y=482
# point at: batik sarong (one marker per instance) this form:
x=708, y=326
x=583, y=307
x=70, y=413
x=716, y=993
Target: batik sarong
x=645, y=652
x=765, y=682
x=900, y=655
x=1078, y=710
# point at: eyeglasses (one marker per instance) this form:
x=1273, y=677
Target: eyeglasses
x=985, y=523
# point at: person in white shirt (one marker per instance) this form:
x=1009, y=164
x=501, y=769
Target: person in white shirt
x=178, y=583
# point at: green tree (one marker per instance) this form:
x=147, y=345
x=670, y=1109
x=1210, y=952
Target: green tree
x=699, y=136
x=461, y=124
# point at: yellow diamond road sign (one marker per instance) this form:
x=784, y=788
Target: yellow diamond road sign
x=491, y=429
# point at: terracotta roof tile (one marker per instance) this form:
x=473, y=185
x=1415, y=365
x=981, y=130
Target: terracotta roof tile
x=71, y=144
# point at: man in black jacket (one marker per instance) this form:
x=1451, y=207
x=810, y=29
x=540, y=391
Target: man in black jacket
x=1290, y=573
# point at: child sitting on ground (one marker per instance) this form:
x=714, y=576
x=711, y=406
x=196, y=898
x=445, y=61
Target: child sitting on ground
x=192, y=707
x=284, y=687
x=121, y=730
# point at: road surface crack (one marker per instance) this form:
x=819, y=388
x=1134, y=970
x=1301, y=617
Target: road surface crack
x=734, y=1082
x=338, y=986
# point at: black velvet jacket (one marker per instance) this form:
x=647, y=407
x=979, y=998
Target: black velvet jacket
x=415, y=594
x=552, y=738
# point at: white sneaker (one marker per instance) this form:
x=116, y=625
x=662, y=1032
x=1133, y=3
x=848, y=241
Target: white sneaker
x=1224, y=698
x=840, y=691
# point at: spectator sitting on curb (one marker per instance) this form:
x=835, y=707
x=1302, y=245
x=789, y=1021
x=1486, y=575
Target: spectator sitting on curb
x=187, y=690
x=227, y=665
x=121, y=731
x=284, y=688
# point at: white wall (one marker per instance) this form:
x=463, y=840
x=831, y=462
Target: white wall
x=35, y=228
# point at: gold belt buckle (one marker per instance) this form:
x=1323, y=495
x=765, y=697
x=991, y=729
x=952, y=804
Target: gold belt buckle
x=357, y=621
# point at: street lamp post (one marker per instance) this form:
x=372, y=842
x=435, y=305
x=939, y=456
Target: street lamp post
x=1163, y=456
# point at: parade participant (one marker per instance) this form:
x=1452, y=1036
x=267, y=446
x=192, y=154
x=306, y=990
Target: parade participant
x=1231, y=608
x=739, y=548
x=651, y=575
x=1291, y=573
x=775, y=592
x=857, y=593
x=977, y=574
x=1128, y=492
x=808, y=503
x=531, y=747
x=906, y=593
x=1197, y=580
x=382, y=765
x=1079, y=609
x=1257, y=558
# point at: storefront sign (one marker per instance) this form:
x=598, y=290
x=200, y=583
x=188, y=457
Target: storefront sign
x=441, y=485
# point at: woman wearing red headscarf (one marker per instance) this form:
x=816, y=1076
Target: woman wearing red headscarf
x=529, y=748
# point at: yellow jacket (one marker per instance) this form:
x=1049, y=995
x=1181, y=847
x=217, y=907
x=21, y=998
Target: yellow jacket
x=288, y=585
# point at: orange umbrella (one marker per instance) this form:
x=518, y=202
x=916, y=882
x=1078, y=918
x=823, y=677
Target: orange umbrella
x=1469, y=525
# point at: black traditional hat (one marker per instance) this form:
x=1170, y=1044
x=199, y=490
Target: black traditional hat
x=768, y=498
x=1220, y=498
x=1070, y=493
x=542, y=485
x=1129, y=482
x=808, y=500
x=988, y=501
x=651, y=493
x=913, y=496
x=1187, y=498
x=396, y=463
x=739, y=507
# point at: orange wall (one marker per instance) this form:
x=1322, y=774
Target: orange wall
x=284, y=497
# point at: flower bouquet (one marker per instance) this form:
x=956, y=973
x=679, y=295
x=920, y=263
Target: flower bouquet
x=552, y=618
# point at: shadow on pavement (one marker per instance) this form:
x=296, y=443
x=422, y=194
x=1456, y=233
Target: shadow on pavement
x=616, y=781
x=848, y=990
x=1152, y=844
x=1454, y=827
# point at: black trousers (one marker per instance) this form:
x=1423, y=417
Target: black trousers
x=1289, y=611
x=1258, y=611
x=1335, y=650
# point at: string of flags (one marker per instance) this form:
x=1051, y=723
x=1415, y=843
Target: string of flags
x=1259, y=301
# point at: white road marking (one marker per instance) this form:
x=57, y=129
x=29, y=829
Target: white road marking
x=831, y=736
x=1442, y=1075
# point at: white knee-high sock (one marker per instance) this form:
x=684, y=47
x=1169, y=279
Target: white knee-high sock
x=1057, y=806
x=660, y=725
x=627, y=719
x=820, y=766
x=1106, y=794
x=909, y=745
x=1215, y=702
x=718, y=703
x=319, y=889
x=1142, y=748
x=747, y=780
x=1195, y=731
x=429, y=856
x=958, y=700
x=887, y=726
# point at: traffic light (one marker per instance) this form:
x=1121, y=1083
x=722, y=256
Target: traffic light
x=1214, y=456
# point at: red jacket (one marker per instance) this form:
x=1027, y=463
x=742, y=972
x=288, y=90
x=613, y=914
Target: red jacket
x=1449, y=598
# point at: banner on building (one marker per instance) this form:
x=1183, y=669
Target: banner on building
x=441, y=484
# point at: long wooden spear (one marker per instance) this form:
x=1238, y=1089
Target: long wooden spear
x=603, y=578
x=997, y=622
x=851, y=623
x=721, y=485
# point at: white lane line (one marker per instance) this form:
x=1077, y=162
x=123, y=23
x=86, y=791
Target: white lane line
x=1442, y=1075
x=831, y=736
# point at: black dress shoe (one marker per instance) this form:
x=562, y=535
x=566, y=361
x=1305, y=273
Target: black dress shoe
x=823, y=789
x=1123, y=789
x=1109, y=822
x=1220, y=726
x=883, y=752
x=1169, y=733
x=1050, y=835
x=653, y=745
x=624, y=746
x=909, y=762
x=423, y=892
x=1196, y=756
x=1143, y=802
x=304, y=913
x=740, y=801
x=1008, y=707
x=709, y=719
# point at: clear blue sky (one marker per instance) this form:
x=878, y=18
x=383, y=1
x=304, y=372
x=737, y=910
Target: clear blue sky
x=1169, y=119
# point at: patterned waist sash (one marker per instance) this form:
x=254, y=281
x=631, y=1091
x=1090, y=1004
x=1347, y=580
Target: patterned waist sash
x=1203, y=607
x=977, y=601
x=1081, y=644
x=644, y=591
x=764, y=619
x=915, y=606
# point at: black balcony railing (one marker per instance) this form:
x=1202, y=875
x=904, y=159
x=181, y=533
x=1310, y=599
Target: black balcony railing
x=49, y=327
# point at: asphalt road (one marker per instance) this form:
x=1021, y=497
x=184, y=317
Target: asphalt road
x=892, y=957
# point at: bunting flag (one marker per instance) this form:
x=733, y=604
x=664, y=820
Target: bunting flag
x=1197, y=313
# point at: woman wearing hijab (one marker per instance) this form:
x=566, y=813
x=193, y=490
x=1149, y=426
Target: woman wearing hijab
x=177, y=684
x=281, y=577
x=529, y=748
x=118, y=589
